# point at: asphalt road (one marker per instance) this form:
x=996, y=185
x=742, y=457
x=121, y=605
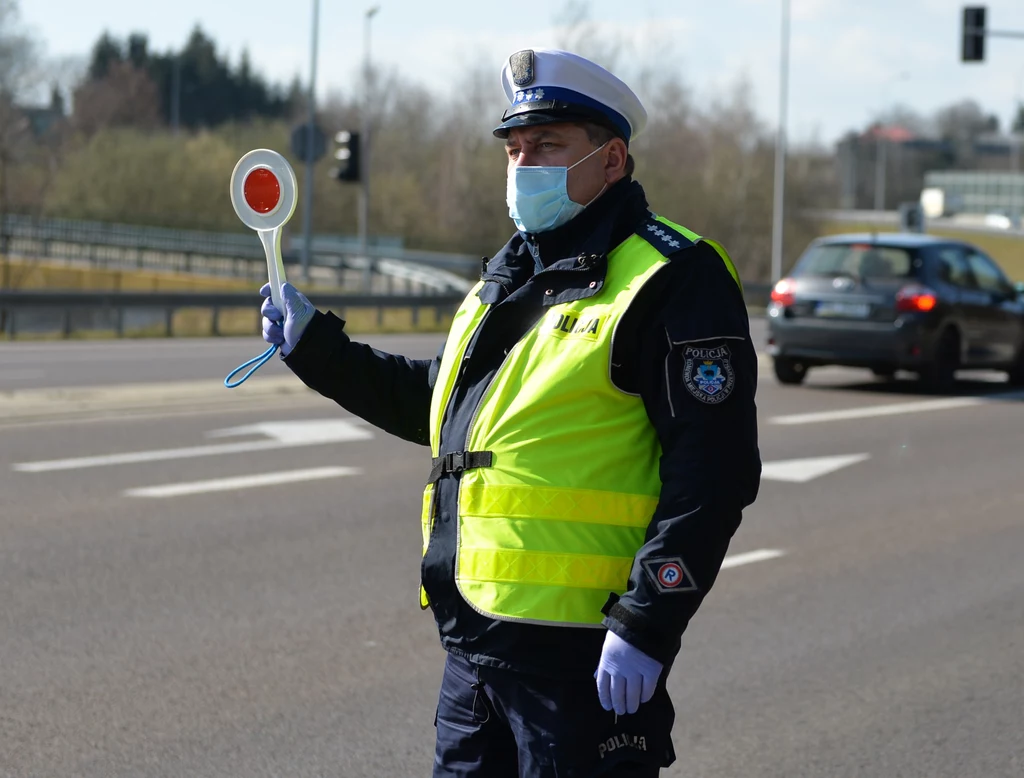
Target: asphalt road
x=27, y=364
x=168, y=612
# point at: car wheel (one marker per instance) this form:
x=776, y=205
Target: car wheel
x=888, y=373
x=1016, y=373
x=940, y=373
x=789, y=371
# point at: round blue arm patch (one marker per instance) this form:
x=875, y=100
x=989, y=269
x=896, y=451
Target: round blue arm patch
x=708, y=373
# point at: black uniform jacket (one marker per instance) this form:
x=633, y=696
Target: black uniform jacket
x=710, y=466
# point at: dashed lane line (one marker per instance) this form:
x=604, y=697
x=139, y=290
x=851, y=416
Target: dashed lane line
x=283, y=435
x=892, y=409
x=802, y=471
x=136, y=457
x=242, y=482
x=751, y=557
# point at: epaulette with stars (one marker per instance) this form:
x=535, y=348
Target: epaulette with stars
x=665, y=239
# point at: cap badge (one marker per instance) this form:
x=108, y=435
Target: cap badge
x=522, y=67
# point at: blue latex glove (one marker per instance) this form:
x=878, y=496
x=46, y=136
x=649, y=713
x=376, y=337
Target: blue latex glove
x=626, y=676
x=298, y=314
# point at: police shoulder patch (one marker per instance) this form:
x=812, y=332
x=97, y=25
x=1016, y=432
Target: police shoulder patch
x=521, y=64
x=708, y=373
x=669, y=574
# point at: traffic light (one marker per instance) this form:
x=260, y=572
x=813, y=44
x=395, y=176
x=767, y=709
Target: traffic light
x=349, y=159
x=973, y=49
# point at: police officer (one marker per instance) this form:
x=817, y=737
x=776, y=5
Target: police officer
x=592, y=424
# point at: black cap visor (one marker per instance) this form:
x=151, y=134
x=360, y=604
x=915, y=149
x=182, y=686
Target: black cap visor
x=551, y=112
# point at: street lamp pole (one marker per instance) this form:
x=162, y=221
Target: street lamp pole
x=364, y=173
x=307, y=211
x=176, y=94
x=778, y=199
x=882, y=145
x=1015, y=141
x=881, y=150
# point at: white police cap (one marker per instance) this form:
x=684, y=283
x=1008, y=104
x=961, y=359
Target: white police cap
x=547, y=85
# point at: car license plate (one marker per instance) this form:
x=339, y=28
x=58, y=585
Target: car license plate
x=844, y=310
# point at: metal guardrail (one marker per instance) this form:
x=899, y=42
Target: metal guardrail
x=240, y=255
x=236, y=255
x=228, y=244
x=64, y=306
x=116, y=305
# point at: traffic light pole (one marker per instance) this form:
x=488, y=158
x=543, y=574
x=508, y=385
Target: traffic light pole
x=779, y=196
x=364, y=161
x=974, y=31
x=307, y=210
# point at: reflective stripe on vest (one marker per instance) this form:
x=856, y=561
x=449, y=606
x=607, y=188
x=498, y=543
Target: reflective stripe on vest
x=552, y=527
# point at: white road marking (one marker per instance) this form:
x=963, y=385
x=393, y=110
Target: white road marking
x=284, y=434
x=242, y=482
x=750, y=557
x=135, y=457
x=894, y=409
x=303, y=432
x=800, y=471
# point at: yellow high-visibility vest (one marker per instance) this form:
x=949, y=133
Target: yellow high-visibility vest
x=551, y=527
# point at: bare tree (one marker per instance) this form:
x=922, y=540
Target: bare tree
x=965, y=120
x=961, y=124
x=438, y=174
x=51, y=147
x=125, y=97
x=580, y=35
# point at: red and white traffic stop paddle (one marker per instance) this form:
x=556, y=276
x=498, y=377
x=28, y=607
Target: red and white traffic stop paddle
x=263, y=195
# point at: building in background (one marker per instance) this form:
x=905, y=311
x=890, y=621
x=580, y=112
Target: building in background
x=984, y=167
x=41, y=120
x=996, y=199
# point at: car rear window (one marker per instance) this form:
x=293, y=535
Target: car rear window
x=860, y=260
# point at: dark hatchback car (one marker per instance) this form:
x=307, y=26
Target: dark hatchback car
x=896, y=301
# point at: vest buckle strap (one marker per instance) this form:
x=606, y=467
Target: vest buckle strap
x=458, y=461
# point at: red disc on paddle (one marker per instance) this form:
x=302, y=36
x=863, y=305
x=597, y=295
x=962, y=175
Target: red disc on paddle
x=262, y=190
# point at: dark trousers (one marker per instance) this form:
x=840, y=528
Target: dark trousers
x=495, y=723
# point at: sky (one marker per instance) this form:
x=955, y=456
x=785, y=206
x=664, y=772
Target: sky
x=848, y=60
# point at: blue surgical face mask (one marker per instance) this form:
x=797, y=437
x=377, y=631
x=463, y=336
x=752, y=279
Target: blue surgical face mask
x=538, y=199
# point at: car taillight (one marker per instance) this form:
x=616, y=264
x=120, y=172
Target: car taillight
x=784, y=292
x=916, y=298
